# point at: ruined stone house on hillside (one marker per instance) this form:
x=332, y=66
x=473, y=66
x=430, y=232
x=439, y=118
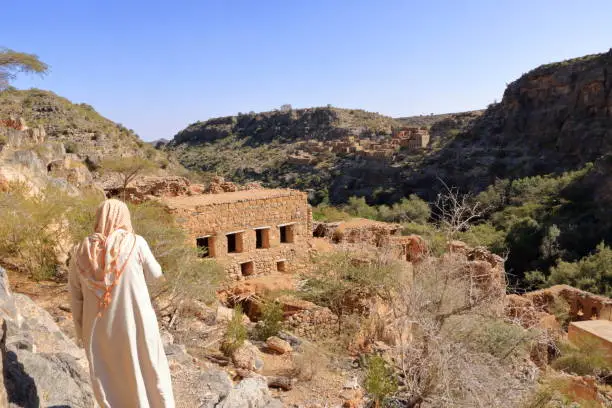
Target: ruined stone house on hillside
x=250, y=232
x=412, y=138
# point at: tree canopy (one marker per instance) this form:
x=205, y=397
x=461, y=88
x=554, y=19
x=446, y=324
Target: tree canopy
x=14, y=62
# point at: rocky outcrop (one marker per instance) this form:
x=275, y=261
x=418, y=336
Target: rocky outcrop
x=20, y=138
x=219, y=185
x=148, y=188
x=74, y=171
x=78, y=126
x=42, y=366
x=555, y=118
x=30, y=160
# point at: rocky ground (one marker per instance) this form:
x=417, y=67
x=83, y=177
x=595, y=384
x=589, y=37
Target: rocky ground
x=45, y=367
x=45, y=308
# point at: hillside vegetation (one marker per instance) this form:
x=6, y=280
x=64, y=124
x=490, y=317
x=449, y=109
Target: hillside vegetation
x=258, y=147
x=82, y=130
x=539, y=161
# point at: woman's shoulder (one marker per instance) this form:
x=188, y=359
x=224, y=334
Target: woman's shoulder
x=140, y=241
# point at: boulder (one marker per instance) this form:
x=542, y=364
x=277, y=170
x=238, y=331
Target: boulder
x=177, y=353
x=278, y=345
x=250, y=393
x=42, y=366
x=46, y=379
x=214, y=386
x=248, y=357
x=223, y=314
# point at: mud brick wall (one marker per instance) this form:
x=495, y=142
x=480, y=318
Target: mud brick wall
x=594, y=333
x=243, y=216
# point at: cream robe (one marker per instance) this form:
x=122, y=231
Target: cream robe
x=127, y=363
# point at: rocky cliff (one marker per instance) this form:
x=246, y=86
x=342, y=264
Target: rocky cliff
x=79, y=127
x=287, y=125
x=554, y=118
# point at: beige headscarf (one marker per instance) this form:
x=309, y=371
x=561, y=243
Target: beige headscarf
x=97, y=258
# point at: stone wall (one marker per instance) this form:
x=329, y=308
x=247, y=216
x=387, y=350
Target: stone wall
x=593, y=333
x=583, y=305
x=212, y=217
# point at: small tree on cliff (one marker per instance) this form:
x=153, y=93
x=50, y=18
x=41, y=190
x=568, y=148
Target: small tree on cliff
x=13, y=62
x=127, y=168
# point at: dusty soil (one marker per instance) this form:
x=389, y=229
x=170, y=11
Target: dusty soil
x=324, y=388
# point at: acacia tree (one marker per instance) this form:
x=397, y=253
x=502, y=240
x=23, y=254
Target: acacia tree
x=14, y=62
x=127, y=168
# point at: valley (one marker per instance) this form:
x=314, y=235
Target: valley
x=329, y=256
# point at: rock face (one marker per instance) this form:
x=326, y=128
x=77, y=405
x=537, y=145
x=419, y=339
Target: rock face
x=77, y=126
x=42, y=366
x=555, y=118
x=28, y=158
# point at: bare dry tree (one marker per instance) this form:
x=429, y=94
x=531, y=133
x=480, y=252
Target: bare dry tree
x=456, y=212
x=448, y=321
x=128, y=168
x=437, y=317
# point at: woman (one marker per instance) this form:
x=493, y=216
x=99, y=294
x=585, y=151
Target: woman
x=113, y=315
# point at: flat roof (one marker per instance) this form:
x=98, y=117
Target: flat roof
x=599, y=328
x=365, y=222
x=194, y=201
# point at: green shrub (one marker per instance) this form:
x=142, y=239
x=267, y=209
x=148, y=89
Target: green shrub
x=587, y=358
x=380, y=380
x=560, y=308
x=411, y=209
x=357, y=207
x=235, y=334
x=337, y=281
x=33, y=228
x=591, y=273
x=496, y=337
x=329, y=214
x=71, y=147
x=271, y=320
x=485, y=235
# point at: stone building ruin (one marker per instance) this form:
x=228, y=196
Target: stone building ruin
x=250, y=233
x=412, y=138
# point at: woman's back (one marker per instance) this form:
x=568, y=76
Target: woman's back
x=128, y=366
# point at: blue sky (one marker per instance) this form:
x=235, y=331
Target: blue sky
x=157, y=66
